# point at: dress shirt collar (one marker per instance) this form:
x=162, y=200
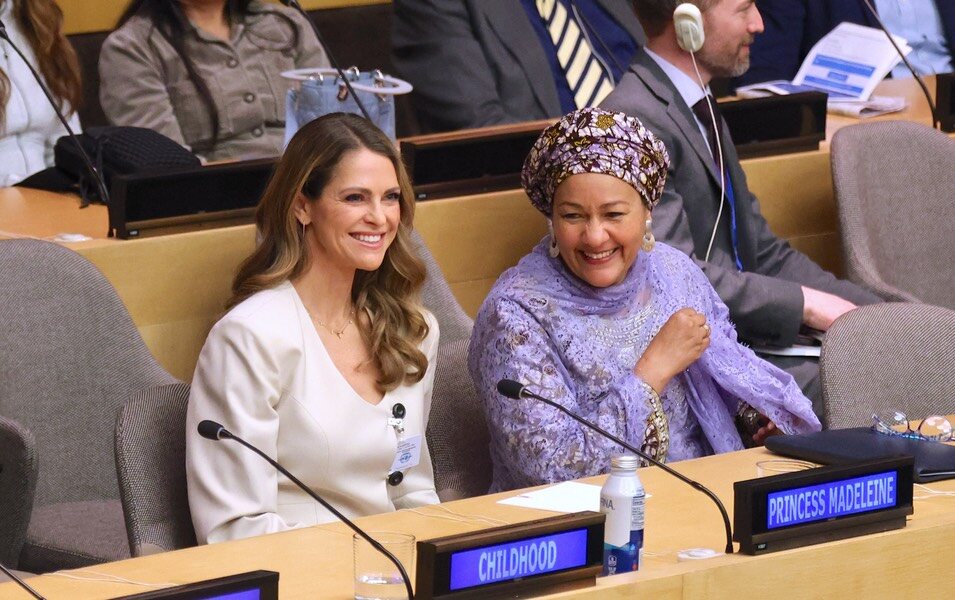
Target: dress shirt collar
x=688, y=87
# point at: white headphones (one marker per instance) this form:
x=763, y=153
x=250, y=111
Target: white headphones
x=689, y=27
x=688, y=23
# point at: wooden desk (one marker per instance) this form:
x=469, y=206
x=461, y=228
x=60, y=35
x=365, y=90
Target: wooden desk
x=317, y=562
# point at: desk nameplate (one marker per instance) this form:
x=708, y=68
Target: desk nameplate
x=822, y=504
x=563, y=552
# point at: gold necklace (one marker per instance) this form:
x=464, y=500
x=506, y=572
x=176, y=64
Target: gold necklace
x=340, y=332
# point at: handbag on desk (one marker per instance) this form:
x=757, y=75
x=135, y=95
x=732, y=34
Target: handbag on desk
x=933, y=460
x=118, y=151
x=320, y=92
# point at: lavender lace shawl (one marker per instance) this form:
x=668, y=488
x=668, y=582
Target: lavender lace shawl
x=577, y=344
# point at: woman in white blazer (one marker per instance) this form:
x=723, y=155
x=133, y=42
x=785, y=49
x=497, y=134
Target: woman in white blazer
x=29, y=126
x=326, y=359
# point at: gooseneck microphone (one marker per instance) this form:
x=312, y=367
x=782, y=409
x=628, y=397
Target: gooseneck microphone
x=294, y=5
x=21, y=583
x=97, y=178
x=516, y=391
x=214, y=431
x=936, y=122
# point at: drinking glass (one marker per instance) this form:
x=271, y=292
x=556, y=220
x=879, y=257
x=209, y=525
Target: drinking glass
x=376, y=577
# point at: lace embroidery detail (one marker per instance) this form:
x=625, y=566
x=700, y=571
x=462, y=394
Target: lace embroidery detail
x=656, y=438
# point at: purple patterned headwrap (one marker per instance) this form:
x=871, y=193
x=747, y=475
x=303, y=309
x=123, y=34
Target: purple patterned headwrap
x=592, y=140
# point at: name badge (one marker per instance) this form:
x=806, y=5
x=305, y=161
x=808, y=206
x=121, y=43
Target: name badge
x=408, y=454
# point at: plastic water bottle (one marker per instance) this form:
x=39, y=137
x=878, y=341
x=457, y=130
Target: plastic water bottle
x=621, y=499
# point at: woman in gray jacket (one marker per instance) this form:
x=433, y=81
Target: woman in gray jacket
x=206, y=73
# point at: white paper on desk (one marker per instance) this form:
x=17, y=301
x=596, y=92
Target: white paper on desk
x=794, y=350
x=861, y=109
x=850, y=61
x=778, y=87
x=567, y=497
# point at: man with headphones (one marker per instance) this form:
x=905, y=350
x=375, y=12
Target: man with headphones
x=707, y=211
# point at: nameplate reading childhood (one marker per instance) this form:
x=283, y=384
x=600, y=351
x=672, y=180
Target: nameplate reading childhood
x=822, y=504
x=532, y=556
x=831, y=500
x=558, y=552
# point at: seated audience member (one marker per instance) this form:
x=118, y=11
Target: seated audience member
x=29, y=126
x=771, y=289
x=794, y=26
x=475, y=63
x=622, y=330
x=207, y=73
x=326, y=359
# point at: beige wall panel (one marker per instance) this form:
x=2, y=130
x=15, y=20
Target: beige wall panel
x=825, y=249
x=471, y=294
x=175, y=287
x=84, y=16
x=477, y=237
x=795, y=192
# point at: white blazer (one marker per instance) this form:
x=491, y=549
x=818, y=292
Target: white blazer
x=31, y=128
x=265, y=375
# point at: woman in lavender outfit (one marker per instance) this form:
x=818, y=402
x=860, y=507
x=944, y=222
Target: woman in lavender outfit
x=624, y=331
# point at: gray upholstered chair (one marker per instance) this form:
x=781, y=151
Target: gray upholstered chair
x=70, y=356
x=895, y=185
x=18, y=467
x=151, y=468
x=890, y=356
x=457, y=430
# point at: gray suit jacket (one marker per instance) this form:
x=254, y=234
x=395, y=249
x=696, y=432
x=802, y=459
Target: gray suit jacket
x=479, y=62
x=765, y=300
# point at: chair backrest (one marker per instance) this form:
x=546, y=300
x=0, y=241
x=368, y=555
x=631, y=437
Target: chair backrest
x=885, y=357
x=18, y=470
x=69, y=358
x=894, y=182
x=151, y=467
x=457, y=429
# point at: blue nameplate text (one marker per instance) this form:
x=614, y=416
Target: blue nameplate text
x=822, y=504
x=830, y=500
x=515, y=560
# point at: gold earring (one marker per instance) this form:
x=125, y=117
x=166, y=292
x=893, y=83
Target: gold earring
x=648, y=239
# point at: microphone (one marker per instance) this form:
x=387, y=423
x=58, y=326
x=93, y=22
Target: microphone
x=294, y=5
x=21, y=583
x=214, y=431
x=936, y=122
x=100, y=184
x=516, y=391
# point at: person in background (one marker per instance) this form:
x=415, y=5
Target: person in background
x=206, y=73
x=326, y=357
x=623, y=330
x=772, y=290
x=29, y=126
x=794, y=26
x=475, y=63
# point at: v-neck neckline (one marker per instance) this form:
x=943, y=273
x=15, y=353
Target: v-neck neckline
x=312, y=331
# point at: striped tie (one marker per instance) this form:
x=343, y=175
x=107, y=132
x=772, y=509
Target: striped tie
x=589, y=80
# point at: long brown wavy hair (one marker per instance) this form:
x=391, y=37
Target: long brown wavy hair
x=41, y=22
x=388, y=296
